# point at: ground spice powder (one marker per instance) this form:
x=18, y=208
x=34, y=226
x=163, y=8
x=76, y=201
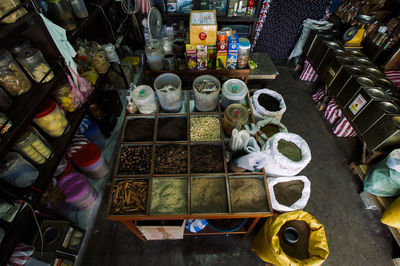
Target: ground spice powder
x=287, y=193
x=290, y=150
x=208, y=195
x=247, y=194
x=168, y=196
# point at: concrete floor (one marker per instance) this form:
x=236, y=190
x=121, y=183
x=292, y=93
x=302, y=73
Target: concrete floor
x=355, y=235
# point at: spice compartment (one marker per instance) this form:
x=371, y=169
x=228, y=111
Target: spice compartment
x=248, y=194
x=172, y=128
x=207, y=158
x=129, y=196
x=171, y=159
x=139, y=129
x=134, y=160
x=205, y=128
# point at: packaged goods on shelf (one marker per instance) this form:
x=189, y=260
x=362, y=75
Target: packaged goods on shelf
x=203, y=27
x=191, y=56
x=201, y=57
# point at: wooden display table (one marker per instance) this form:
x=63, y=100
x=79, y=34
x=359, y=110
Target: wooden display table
x=256, y=207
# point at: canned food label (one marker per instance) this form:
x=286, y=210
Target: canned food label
x=332, y=72
x=357, y=104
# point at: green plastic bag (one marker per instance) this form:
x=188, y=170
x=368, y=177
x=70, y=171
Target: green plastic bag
x=382, y=181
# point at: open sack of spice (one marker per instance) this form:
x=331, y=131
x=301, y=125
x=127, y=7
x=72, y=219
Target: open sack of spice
x=287, y=154
x=289, y=193
x=252, y=158
x=267, y=103
x=270, y=126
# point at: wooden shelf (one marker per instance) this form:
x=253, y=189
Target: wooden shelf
x=17, y=27
x=220, y=18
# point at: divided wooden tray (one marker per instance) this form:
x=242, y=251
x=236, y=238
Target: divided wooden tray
x=188, y=111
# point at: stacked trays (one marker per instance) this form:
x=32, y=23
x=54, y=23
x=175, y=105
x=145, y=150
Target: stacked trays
x=173, y=171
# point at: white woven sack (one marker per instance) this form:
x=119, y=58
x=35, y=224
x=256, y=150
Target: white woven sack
x=278, y=164
x=300, y=204
x=271, y=120
x=393, y=160
x=260, y=112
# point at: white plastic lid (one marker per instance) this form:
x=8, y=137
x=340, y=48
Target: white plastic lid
x=234, y=89
x=142, y=94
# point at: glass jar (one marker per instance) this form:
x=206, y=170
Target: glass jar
x=62, y=14
x=17, y=171
x=34, y=146
x=5, y=101
x=79, y=8
x=18, y=45
x=12, y=78
x=235, y=115
x=244, y=53
x=51, y=119
x=34, y=63
x=100, y=63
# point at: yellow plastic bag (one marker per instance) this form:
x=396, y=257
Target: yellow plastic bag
x=391, y=216
x=266, y=244
x=91, y=75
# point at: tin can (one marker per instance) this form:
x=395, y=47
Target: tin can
x=227, y=30
x=221, y=36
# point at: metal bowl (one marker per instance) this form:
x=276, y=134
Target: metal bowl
x=345, y=60
x=373, y=72
x=366, y=82
x=364, y=62
x=383, y=82
x=356, y=53
x=355, y=71
x=334, y=45
x=389, y=107
x=339, y=52
x=377, y=94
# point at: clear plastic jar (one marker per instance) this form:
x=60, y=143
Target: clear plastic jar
x=89, y=159
x=233, y=91
x=235, y=115
x=206, y=98
x=169, y=91
x=244, y=53
x=78, y=191
x=79, y=8
x=63, y=96
x=51, y=119
x=34, y=146
x=34, y=63
x=5, y=101
x=17, y=171
x=18, y=45
x=143, y=97
x=62, y=14
x=8, y=5
x=12, y=78
x=154, y=55
x=100, y=63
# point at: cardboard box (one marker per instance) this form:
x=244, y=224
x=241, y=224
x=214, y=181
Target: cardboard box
x=201, y=57
x=222, y=53
x=191, y=61
x=203, y=27
x=211, y=56
x=233, y=51
x=161, y=230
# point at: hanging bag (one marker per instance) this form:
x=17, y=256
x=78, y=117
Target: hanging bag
x=81, y=91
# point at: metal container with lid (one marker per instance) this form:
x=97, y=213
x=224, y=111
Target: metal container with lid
x=364, y=62
x=327, y=52
x=311, y=41
x=348, y=72
x=384, y=135
x=235, y=115
x=356, y=53
x=352, y=87
x=34, y=63
x=361, y=101
x=376, y=111
x=333, y=70
x=62, y=14
x=383, y=82
x=328, y=59
x=319, y=48
x=374, y=72
x=233, y=91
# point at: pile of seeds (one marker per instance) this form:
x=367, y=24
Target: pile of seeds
x=206, y=159
x=135, y=160
x=129, y=197
x=205, y=128
x=290, y=150
x=248, y=194
x=206, y=87
x=140, y=129
x=171, y=159
x=168, y=196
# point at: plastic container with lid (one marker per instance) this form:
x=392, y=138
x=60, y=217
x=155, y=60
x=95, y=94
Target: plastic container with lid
x=62, y=14
x=236, y=115
x=206, y=99
x=154, y=55
x=90, y=160
x=169, y=91
x=12, y=78
x=34, y=63
x=94, y=134
x=143, y=97
x=5, y=101
x=18, y=45
x=244, y=53
x=79, y=8
x=233, y=91
x=51, y=119
x=34, y=146
x=78, y=191
x=17, y=171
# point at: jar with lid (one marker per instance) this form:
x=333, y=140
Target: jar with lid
x=12, y=78
x=89, y=159
x=17, y=171
x=63, y=96
x=143, y=97
x=154, y=55
x=166, y=44
x=18, y=45
x=233, y=91
x=33, y=146
x=100, y=62
x=169, y=92
x=51, y=119
x=5, y=101
x=34, y=63
x=236, y=115
x=244, y=53
x=206, y=93
x=8, y=5
x=94, y=134
x=79, y=8
x=62, y=14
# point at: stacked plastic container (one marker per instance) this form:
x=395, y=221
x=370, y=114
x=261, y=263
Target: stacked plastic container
x=89, y=159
